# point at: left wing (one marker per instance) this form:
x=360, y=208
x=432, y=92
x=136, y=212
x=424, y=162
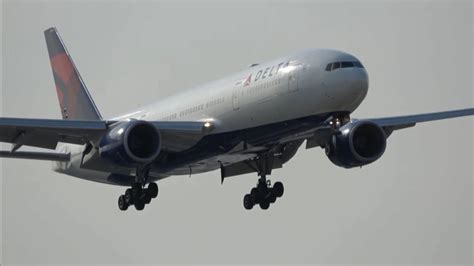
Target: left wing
x=389, y=124
x=319, y=135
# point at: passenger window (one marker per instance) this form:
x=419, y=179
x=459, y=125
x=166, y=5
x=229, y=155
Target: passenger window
x=347, y=64
x=336, y=65
x=328, y=67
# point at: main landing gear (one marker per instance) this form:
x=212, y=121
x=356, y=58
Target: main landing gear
x=138, y=195
x=263, y=194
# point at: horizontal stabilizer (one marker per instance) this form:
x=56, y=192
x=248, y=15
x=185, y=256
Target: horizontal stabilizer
x=48, y=156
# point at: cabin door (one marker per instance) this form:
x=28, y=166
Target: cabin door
x=293, y=78
x=236, y=97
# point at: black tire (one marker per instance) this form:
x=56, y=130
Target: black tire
x=264, y=204
x=129, y=196
x=147, y=199
x=272, y=198
x=248, y=202
x=278, y=189
x=328, y=148
x=122, y=204
x=152, y=190
x=139, y=205
x=254, y=194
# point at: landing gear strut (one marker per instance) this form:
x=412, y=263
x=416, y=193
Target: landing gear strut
x=338, y=120
x=263, y=194
x=138, y=195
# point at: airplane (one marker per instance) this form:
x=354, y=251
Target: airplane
x=253, y=121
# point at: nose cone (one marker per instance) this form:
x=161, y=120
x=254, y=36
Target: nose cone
x=346, y=81
x=357, y=86
x=350, y=87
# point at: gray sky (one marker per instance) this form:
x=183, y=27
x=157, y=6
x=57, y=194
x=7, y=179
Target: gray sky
x=414, y=205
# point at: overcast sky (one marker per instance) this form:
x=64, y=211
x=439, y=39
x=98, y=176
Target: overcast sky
x=414, y=205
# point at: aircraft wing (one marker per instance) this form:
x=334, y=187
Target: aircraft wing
x=178, y=136
x=317, y=137
x=46, y=133
x=389, y=124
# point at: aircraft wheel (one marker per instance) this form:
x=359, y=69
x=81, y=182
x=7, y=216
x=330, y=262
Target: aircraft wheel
x=147, y=199
x=264, y=204
x=152, y=190
x=272, y=197
x=278, y=189
x=254, y=194
x=248, y=202
x=122, y=203
x=129, y=196
x=139, y=205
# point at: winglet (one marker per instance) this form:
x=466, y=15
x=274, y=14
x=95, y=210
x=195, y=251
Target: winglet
x=74, y=98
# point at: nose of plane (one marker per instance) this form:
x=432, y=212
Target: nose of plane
x=357, y=82
x=354, y=84
x=347, y=83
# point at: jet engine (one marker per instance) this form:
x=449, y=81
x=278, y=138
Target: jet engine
x=131, y=143
x=356, y=144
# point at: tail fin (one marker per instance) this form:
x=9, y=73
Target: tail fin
x=74, y=98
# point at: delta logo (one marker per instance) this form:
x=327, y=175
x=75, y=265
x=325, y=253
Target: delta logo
x=265, y=73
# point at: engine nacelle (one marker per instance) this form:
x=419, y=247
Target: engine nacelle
x=131, y=143
x=358, y=143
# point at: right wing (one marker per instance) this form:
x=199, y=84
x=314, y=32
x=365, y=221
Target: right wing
x=46, y=133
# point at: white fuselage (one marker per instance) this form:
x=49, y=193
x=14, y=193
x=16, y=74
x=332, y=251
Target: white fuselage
x=300, y=89
x=291, y=87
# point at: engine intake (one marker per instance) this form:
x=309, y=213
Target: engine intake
x=356, y=144
x=132, y=142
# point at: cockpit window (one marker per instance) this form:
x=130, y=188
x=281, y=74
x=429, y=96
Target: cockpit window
x=345, y=64
x=358, y=64
x=328, y=67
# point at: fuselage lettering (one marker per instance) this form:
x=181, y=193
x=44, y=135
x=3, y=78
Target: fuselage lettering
x=257, y=76
x=268, y=72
